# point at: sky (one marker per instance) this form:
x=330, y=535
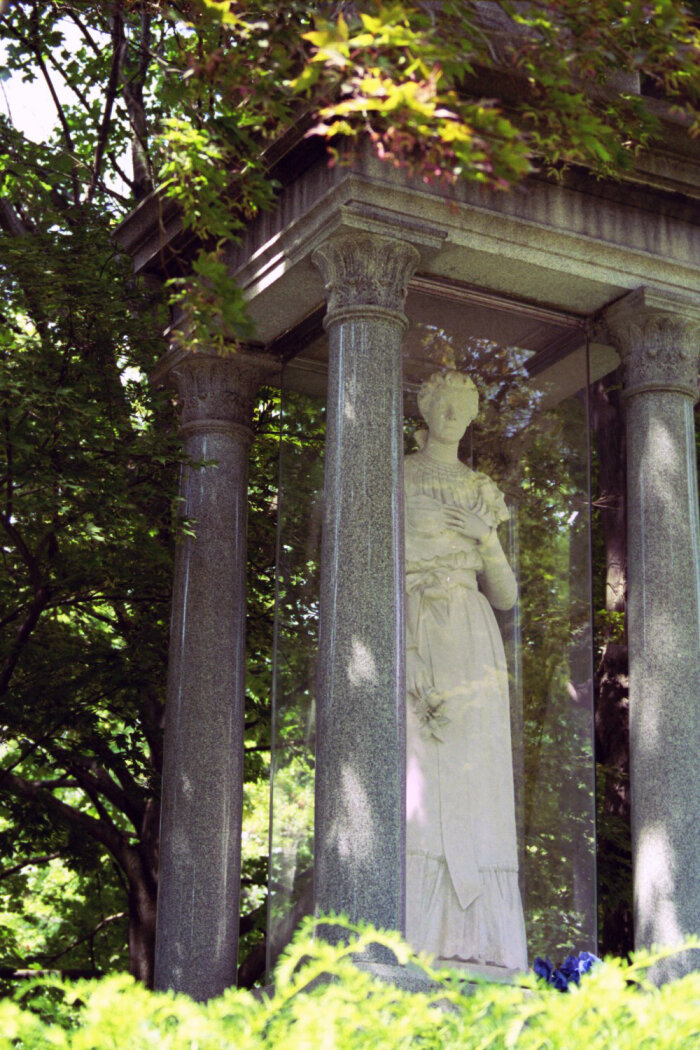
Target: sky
x=29, y=105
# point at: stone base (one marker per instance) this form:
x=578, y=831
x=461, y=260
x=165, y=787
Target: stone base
x=412, y=978
x=480, y=971
x=408, y=978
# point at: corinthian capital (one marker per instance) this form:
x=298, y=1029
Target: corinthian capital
x=216, y=393
x=658, y=338
x=365, y=270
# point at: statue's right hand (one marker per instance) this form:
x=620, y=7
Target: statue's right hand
x=469, y=523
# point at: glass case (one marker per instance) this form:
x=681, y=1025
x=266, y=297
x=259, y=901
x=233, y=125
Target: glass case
x=500, y=766
x=302, y=435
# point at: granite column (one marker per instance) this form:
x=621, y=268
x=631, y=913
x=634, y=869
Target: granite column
x=658, y=341
x=360, y=777
x=200, y=846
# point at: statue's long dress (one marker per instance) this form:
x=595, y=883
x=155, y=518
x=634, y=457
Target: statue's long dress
x=463, y=899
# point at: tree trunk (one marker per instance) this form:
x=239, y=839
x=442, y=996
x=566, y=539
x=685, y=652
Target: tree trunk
x=142, y=932
x=141, y=868
x=142, y=879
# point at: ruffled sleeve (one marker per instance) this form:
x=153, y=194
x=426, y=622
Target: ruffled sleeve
x=494, y=500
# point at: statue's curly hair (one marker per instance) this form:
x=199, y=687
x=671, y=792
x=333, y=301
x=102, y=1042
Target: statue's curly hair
x=454, y=382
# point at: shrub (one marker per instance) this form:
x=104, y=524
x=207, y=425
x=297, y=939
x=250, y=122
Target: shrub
x=321, y=999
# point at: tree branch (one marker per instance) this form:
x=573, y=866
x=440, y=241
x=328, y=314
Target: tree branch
x=132, y=90
x=11, y=617
x=89, y=936
x=32, y=47
x=58, y=782
x=83, y=29
x=35, y=744
x=99, y=830
x=95, y=780
x=9, y=459
x=43, y=859
x=37, y=606
x=133, y=794
x=119, y=170
x=93, y=792
x=55, y=196
x=10, y=221
x=110, y=94
x=71, y=974
x=36, y=50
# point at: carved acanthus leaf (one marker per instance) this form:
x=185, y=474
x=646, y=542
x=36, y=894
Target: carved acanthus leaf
x=364, y=270
x=216, y=390
x=658, y=348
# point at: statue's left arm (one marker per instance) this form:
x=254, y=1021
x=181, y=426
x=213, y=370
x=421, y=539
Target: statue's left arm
x=497, y=578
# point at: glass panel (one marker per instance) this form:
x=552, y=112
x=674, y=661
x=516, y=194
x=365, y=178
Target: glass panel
x=296, y=639
x=500, y=776
x=501, y=743
x=615, y=922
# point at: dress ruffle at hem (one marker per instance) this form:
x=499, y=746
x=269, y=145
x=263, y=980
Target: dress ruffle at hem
x=492, y=924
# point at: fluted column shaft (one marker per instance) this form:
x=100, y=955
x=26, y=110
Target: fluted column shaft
x=659, y=348
x=200, y=845
x=360, y=807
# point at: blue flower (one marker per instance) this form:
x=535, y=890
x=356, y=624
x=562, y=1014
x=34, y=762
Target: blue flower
x=568, y=973
x=559, y=981
x=570, y=969
x=543, y=968
x=586, y=961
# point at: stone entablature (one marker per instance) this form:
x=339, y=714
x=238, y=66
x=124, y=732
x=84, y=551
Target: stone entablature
x=558, y=244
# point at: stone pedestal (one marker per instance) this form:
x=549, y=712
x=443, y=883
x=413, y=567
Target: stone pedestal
x=658, y=340
x=198, y=895
x=360, y=807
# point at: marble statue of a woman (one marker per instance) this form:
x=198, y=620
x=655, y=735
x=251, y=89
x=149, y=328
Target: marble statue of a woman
x=463, y=900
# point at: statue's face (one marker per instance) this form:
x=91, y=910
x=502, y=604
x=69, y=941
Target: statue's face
x=448, y=414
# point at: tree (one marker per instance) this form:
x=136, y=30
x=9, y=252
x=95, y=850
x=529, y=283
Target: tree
x=190, y=97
